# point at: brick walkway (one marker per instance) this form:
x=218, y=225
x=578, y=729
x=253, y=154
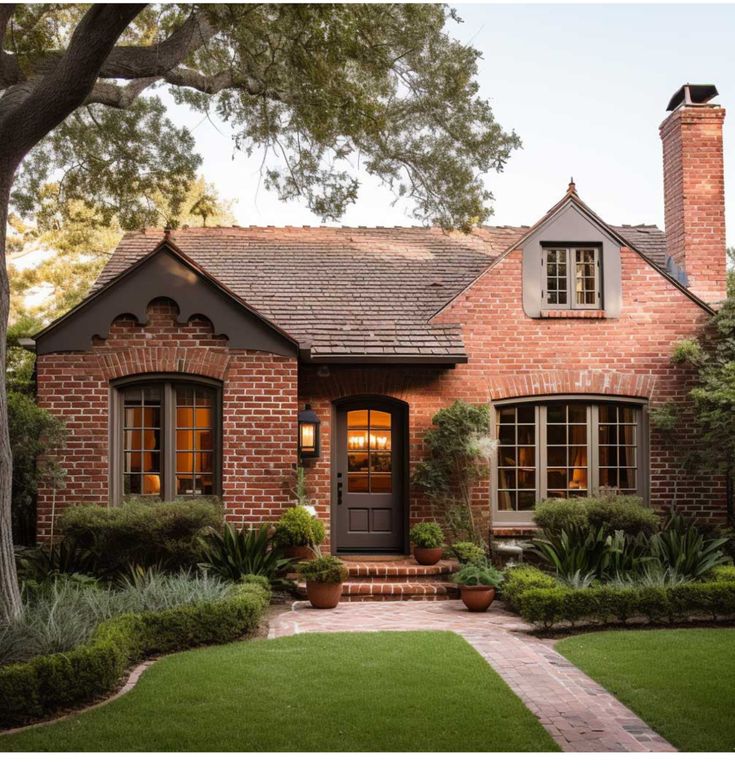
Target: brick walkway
x=577, y=712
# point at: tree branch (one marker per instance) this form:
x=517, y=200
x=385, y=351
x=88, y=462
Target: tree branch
x=117, y=96
x=135, y=62
x=188, y=77
x=6, y=14
x=9, y=71
x=49, y=101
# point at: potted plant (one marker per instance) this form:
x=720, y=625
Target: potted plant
x=428, y=542
x=324, y=576
x=298, y=533
x=477, y=583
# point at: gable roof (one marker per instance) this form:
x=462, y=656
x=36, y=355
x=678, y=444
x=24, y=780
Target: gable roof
x=164, y=271
x=352, y=294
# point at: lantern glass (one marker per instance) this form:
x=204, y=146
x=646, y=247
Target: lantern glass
x=308, y=437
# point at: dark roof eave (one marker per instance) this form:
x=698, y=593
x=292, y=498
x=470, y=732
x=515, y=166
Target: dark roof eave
x=355, y=358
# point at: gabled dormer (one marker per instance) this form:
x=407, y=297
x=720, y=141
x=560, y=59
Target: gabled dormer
x=571, y=264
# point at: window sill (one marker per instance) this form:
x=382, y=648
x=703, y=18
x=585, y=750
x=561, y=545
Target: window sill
x=597, y=314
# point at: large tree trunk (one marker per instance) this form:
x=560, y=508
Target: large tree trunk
x=10, y=605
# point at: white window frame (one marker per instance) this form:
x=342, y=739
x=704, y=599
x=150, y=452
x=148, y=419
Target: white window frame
x=570, y=253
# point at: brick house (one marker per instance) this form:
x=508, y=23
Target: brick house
x=186, y=370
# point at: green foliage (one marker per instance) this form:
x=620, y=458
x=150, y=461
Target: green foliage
x=664, y=418
x=300, y=489
x=577, y=554
x=684, y=550
x=688, y=351
x=427, y=535
x=34, y=433
x=327, y=569
x=297, y=527
x=458, y=449
x=140, y=533
x=607, y=513
x=473, y=574
x=722, y=573
x=43, y=685
x=467, y=552
x=605, y=604
x=519, y=579
x=233, y=554
x=47, y=562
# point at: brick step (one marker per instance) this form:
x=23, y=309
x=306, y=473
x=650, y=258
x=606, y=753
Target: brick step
x=400, y=571
x=394, y=591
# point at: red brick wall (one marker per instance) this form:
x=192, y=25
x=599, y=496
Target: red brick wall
x=512, y=355
x=259, y=410
x=694, y=196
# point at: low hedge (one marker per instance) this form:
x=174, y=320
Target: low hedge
x=522, y=578
x=40, y=687
x=167, y=535
x=550, y=606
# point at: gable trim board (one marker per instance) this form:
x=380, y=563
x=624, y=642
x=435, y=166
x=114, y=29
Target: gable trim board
x=164, y=273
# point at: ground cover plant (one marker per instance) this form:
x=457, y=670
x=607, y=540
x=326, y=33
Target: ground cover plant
x=688, y=696
x=307, y=693
x=44, y=684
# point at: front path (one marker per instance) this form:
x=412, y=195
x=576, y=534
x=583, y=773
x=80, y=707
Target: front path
x=577, y=712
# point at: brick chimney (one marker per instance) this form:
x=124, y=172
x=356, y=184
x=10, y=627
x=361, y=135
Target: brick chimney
x=694, y=189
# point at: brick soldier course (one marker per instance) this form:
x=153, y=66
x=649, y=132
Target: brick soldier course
x=579, y=714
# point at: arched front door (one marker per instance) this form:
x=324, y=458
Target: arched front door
x=368, y=476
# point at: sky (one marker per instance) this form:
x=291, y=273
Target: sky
x=584, y=86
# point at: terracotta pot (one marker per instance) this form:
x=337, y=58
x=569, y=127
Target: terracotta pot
x=477, y=598
x=324, y=595
x=299, y=552
x=427, y=556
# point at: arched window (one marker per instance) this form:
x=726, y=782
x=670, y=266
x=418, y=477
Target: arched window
x=166, y=440
x=563, y=448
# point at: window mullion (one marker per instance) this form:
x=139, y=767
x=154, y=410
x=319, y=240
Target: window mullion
x=541, y=456
x=168, y=441
x=593, y=444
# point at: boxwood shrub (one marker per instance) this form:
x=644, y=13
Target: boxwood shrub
x=522, y=578
x=38, y=688
x=141, y=533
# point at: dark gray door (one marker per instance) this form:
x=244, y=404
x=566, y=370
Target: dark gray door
x=369, y=476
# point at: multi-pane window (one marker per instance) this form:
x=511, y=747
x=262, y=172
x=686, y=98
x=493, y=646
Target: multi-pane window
x=572, y=277
x=563, y=449
x=168, y=440
x=369, y=451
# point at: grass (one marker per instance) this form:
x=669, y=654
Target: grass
x=680, y=681
x=391, y=691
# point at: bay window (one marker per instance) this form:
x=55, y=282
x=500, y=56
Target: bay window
x=566, y=448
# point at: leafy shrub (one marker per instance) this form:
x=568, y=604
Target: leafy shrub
x=47, y=562
x=64, y=614
x=139, y=533
x=607, y=513
x=722, y=573
x=297, y=527
x=549, y=606
x=467, y=552
x=522, y=578
x=233, y=554
x=684, y=550
x=327, y=569
x=472, y=575
x=32, y=690
x=427, y=535
x=576, y=553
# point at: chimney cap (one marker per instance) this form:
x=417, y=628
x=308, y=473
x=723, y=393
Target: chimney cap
x=692, y=95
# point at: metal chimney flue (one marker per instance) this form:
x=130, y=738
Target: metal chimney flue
x=692, y=95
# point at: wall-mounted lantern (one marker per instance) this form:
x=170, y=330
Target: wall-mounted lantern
x=308, y=433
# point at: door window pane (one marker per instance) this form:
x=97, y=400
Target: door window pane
x=369, y=451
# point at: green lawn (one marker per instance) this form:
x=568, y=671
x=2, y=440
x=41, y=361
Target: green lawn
x=680, y=681
x=424, y=691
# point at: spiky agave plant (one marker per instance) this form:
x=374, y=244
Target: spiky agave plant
x=233, y=553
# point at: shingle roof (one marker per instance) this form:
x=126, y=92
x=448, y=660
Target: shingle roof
x=349, y=292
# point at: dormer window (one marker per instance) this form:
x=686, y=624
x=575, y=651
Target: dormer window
x=571, y=277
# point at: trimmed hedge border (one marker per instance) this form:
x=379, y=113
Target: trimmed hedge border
x=540, y=600
x=38, y=688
